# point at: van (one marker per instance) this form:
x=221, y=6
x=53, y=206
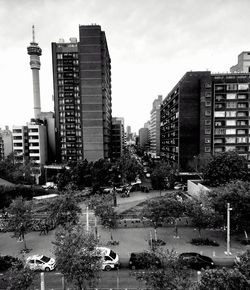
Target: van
x=110, y=260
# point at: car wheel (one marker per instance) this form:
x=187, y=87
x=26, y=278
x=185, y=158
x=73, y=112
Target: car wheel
x=47, y=269
x=108, y=268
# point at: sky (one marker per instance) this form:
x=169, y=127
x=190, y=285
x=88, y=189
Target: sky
x=152, y=44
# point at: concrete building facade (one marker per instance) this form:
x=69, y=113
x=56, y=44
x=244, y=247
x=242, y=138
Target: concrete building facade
x=243, y=65
x=82, y=90
x=117, y=139
x=154, y=127
x=7, y=138
x=205, y=114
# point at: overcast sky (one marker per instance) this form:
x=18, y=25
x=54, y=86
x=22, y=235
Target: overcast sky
x=152, y=44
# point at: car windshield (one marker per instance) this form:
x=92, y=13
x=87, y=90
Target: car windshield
x=45, y=259
x=112, y=254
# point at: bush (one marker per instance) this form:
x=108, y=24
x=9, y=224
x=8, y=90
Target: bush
x=157, y=243
x=204, y=242
x=6, y=262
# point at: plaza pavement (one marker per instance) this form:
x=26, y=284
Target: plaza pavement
x=130, y=239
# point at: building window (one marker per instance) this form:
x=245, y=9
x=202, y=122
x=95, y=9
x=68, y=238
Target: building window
x=230, y=131
x=230, y=122
x=207, y=85
x=218, y=141
x=207, y=140
x=230, y=140
x=241, y=132
x=231, y=114
x=207, y=113
x=231, y=105
x=208, y=104
x=219, y=98
x=241, y=139
x=243, y=87
x=219, y=114
x=207, y=131
x=232, y=87
x=230, y=148
x=242, y=114
x=207, y=122
x=218, y=149
x=207, y=149
x=219, y=88
x=242, y=97
x=231, y=96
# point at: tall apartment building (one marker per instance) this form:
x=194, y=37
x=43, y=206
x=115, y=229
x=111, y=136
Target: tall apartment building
x=154, y=127
x=82, y=90
x=144, y=137
x=117, y=137
x=6, y=135
x=243, y=65
x=205, y=114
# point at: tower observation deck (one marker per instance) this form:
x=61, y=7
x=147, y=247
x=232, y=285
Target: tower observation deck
x=35, y=51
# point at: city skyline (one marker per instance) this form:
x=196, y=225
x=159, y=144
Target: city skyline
x=151, y=47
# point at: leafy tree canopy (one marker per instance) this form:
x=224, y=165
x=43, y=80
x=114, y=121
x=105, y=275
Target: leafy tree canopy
x=225, y=167
x=221, y=279
x=77, y=257
x=236, y=193
x=243, y=264
x=163, y=175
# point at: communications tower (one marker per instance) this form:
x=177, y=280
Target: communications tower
x=35, y=51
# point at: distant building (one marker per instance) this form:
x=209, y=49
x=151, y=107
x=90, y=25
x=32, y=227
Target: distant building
x=117, y=137
x=6, y=135
x=82, y=90
x=154, y=128
x=20, y=143
x=243, y=65
x=205, y=114
x=144, y=137
x=1, y=148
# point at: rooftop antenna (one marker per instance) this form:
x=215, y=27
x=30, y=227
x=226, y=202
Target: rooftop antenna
x=33, y=33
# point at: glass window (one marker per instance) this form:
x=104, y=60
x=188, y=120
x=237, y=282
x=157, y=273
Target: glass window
x=218, y=149
x=219, y=98
x=232, y=87
x=219, y=88
x=207, y=149
x=231, y=96
x=219, y=114
x=241, y=139
x=207, y=140
x=218, y=141
x=231, y=105
x=242, y=114
x=242, y=97
x=230, y=148
x=208, y=104
x=231, y=122
x=207, y=122
x=241, y=132
x=230, y=140
x=231, y=114
x=243, y=87
x=230, y=131
x=207, y=131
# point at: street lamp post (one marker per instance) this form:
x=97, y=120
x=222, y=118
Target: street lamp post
x=228, y=229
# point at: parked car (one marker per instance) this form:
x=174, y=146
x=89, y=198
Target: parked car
x=196, y=261
x=40, y=262
x=143, y=260
x=110, y=260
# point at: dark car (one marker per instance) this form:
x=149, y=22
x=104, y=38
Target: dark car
x=144, y=260
x=196, y=261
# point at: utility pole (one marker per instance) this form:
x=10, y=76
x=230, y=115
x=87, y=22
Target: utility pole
x=228, y=229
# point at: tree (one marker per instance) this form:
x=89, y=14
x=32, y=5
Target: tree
x=108, y=216
x=77, y=257
x=129, y=168
x=159, y=209
x=243, y=264
x=225, y=167
x=236, y=193
x=221, y=279
x=81, y=174
x=171, y=276
x=19, y=278
x=202, y=217
x=163, y=176
x=64, y=210
x=20, y=217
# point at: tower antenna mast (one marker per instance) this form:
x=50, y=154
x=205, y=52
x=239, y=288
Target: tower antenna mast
x=33, y=33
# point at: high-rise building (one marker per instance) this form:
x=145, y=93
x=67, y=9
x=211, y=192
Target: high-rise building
x=144, y=137
x=117, y=137
x=82, y=90
x=154, y=127
x=243, y=65
x=6, y=135
x=35, y=51
x=1, y=148
x=205, y=114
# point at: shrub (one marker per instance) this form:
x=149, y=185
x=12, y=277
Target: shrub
x=204, y=242
x=7, y=262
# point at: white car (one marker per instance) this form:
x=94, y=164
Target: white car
x=110, y=260
x=40, y=262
